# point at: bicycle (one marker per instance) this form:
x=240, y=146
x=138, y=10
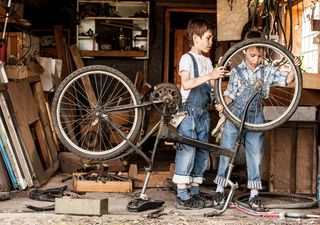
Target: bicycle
x=98, y=113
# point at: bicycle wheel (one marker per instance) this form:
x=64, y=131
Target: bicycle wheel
x=281, y=102
x=95, y=112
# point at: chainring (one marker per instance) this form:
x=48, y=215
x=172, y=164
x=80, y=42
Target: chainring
x=169, y=95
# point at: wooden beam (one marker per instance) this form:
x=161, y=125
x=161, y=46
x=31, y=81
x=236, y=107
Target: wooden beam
x=186, y=5
x=311, y=81
x=61, y=50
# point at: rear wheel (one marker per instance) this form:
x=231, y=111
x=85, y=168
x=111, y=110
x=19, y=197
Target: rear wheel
x=281, y=102
x=95, y=112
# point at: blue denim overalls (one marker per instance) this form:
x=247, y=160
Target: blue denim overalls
x=191, y=162
x=253, y=141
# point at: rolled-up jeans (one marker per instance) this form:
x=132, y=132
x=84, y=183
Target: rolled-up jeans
x=191, y=162
x=253, y=142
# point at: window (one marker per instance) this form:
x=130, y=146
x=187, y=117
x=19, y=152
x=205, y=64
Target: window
x=309, y=50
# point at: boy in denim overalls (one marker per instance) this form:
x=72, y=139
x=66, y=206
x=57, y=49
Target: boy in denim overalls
x=196, y=72
x=239, y=90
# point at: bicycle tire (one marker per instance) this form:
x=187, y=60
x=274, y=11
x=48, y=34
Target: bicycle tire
x=286, y=105
x=308, y=202
x=82, y=112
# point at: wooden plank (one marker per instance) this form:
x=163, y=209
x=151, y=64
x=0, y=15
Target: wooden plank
x=310, y=97
x=306, y=158
x=54, y=135
x=40, y=101
x=26, y=113
x=61, y=50
x=5, y=183
x=22, y=101
x=86, y=82
x=146, y=87
x=112, y=53
x=14, y=45
x=43, y=144
x=13, y=161
x=76, y=56
x=302, y=136
x=20, y=152
x=138, y=80
x=281, y=150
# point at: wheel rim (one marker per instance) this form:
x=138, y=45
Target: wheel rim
x=89, y=129
x=282, y=101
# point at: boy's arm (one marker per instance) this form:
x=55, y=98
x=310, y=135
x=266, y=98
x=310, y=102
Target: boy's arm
x=228, y=101
x=188, y=83
x=290, y=77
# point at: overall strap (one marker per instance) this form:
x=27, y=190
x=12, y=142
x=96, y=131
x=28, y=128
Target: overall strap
x=246, y=80
x=242, y=76
x=195, y=65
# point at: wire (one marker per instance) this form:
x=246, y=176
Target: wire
x=290, y=28
x=253, y=213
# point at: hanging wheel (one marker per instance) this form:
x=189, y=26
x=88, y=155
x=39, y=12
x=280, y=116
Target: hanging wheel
x=94, y=112
x=281, y=102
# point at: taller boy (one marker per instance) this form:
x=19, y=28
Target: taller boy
x=196, y=73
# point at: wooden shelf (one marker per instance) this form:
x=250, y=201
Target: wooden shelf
x=112, y=53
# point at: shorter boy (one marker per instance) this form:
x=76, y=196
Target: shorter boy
x=239, y=90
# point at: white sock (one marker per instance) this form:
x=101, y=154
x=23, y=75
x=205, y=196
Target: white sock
x=253, y=193
x=220, y=188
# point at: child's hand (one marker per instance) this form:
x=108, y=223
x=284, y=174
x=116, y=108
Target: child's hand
x=217, y=73
x=297, y=61
x=218, y=107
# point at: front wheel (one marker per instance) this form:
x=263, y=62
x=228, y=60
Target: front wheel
x=281, y=102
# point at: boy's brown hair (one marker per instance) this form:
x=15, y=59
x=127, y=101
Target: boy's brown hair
x=253, y=34
x=198, y=27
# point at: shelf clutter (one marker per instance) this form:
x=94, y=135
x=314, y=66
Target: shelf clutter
x=113, y=28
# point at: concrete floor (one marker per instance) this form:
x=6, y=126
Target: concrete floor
x=13, y=211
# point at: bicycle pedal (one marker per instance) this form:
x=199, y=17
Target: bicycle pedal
x=138, y=205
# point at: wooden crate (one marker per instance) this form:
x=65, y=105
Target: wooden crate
x=157, y=178
x=290, y=162
x=20, y=72
x=99, y=186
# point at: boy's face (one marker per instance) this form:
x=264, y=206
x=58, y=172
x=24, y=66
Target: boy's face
x=204, y=43
x=253, y=56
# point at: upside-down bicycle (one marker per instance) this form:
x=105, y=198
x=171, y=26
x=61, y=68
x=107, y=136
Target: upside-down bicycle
x=98, y=113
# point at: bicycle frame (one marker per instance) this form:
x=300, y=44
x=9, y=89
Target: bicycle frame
x=164, y=133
